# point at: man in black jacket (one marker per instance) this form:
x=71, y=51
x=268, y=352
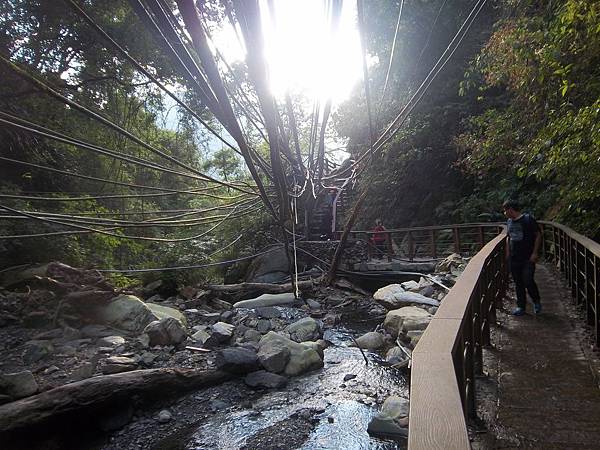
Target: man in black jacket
x=524, y=239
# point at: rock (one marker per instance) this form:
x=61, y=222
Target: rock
x=18, y=385
x=317, y=346
x=237, y=360
x=269, y=267
x=227, y=316
x=221, y=304
x=36, y=319
x=306, y=329
x=395, y=355
x=118, y=364
x=50, y=370
x=222, y=331
x=410, y=285
x=312, y=304
x=391, y=420
x=274, y=356
x=432, y=310
x=264, y=326
x=162, y=312
x=393, y=297
x=148, y=358
x=427, y=291
x=267, y=300
x=125, y=312
x=205, y=339
x=188, y=292
x=349, y=376
x=71, y=334
x=96, y=331
x=252, y=336
x=395, y=318
x=414, y=336
x=36, y=351
x=371, y=340
x=415, y=324
x=164, y=416
x=453, y=261
x=155, y=298
x=210, y=317
x=265, y=379
x=153, y=287
x=167, y=331
x=86, y=370
x=302, y=357
x=268, y=312
x=111, y=341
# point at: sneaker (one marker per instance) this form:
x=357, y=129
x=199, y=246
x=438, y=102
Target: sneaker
x=518, y=311
x=537, y=308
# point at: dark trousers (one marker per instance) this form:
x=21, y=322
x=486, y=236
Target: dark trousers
x=523, y=273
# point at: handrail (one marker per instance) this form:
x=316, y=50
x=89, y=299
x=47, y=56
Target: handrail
x=449, y=353
x=578, y=258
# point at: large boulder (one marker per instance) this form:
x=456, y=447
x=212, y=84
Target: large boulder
x=167, y=331
x=237, y=360
x=18, y=385
x=222, y=331
x=270, y=267
x=162, y=312
x=306, y=329
x=453, y=263
x=371, y=340
x=274, y=355
x=303, y=357
x=393, y=296
x=395, y=319
x=125, y=312
x=392, y=420
x=266, y=300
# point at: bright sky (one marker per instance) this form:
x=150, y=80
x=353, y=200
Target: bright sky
x=303, y=55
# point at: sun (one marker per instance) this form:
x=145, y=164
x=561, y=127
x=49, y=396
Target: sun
x=302, y=53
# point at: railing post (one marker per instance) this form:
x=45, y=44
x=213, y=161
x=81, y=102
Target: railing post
x=596, y=297
x=543, y=241
x=390, y=248
x=432, y=240
x=481, y=240
x=411, y=246
x=456, y=240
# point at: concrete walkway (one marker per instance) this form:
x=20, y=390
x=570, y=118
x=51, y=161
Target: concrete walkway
x=547, y=396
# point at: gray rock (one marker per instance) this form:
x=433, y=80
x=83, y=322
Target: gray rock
x=86, y=370
x=266, y=300
x=50, y=370
x=306, y=329
x=148, y=358
x=265, y=379
x=71, y=334
x=227, y=316
x=371, y=340
x=391, y=420
x=264, y=326
x=167, y=331
x=349, y=376
x=48, y=335
x=210, y=317
x=164, y=416
x=96, y=331
x=155, y=298
x=251, y=336
x=118, y=364
x=395, y=355
x=274, y=263
x=111, y=341
x=18, y=385
x=125, y=312
x=237, y=360
x=312, y=304
x=427, y=291
x=394, y=319
x=162, y=312
x=36, y=351
x=204, y=338
x=222, y=331
x=303, y=358
x=274, y=355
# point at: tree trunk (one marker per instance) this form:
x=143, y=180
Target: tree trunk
x=265, y=288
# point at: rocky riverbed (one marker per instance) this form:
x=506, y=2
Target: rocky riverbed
x=328, y=370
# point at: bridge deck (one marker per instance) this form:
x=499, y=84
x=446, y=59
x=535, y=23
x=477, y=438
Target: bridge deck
x=542, y=392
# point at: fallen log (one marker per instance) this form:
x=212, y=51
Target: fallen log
x=263, y=288
x=85, y=398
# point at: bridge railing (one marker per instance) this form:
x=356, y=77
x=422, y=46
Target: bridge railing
x=449, y=354
x=578, y=258
x=431, y=241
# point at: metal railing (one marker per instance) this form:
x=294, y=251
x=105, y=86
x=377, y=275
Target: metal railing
x=431, y=241
x=578, y=258
x=449, y=354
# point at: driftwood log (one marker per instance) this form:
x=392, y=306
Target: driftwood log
x=263, y=288
x=85, y=398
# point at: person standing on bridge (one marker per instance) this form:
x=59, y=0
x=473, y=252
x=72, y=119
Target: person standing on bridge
x=524, y=239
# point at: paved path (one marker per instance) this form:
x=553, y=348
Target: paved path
x=547, y=395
